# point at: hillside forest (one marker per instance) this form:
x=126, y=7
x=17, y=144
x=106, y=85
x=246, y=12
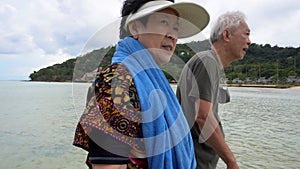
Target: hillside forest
x=262, y=64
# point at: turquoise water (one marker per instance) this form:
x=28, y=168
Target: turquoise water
x=37, y=126
x=262, y=127
x=38, y=121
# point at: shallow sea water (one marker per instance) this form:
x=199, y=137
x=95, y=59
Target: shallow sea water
x=38, y=121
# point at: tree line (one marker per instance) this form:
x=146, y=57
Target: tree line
x=260, y=61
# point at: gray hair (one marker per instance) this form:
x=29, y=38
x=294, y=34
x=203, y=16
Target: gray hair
x=229, y=20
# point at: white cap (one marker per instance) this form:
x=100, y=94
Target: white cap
x=193, y=18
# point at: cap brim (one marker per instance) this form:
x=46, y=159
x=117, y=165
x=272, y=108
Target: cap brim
x=193, y=17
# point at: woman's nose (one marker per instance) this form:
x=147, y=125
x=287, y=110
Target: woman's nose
x=172, y=34
x=170, y=37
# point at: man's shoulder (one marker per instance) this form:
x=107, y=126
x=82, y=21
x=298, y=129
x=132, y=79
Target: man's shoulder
x=207, y=55
x=205, y=58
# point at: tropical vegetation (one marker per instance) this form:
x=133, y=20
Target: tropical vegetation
x=272, y=63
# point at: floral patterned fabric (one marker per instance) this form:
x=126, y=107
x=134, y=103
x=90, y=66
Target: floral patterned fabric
x=114, y=109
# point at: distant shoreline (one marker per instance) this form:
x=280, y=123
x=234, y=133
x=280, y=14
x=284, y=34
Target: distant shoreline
x=258, y=86
x=295, y=88
x=175, y=84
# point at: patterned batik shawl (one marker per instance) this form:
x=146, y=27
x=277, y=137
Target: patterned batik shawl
x=115, y=112
x=166, y=133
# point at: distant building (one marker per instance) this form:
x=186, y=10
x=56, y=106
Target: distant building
x=237, y=80
x=264, y=80
x=292, y=79
x=248, y=80
x=89, y=76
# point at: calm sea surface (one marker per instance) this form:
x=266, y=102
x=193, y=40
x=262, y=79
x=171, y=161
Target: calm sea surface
x=38, y=120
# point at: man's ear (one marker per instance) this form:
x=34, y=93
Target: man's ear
x=135, y=28
x=226, y=35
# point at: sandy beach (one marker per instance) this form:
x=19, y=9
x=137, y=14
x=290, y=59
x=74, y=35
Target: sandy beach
x=174, y=85
x=295, y=88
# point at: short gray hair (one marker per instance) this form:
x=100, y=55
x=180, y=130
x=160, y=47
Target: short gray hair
x=227, y=20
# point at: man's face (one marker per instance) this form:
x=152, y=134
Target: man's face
x=240, y=41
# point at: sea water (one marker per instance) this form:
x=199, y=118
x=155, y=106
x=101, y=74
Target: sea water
x=38, y=121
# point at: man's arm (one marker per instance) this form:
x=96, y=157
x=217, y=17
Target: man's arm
x=212, y=133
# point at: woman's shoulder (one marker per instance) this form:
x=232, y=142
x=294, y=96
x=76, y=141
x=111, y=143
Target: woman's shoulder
x=115, y=69
x=115, y=73
x=115, y=80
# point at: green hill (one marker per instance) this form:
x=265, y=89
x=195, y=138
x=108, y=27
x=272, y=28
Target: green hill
x=260, y=61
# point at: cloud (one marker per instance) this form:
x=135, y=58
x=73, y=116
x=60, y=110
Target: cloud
x=16, y=66
x=38, y=33
x=277, y=24
x=271, y=22
x=9, y=41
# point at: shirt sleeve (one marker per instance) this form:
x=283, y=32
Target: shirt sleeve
x=204, y=70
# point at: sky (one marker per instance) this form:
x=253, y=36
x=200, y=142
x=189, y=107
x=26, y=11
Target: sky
x=35, y=34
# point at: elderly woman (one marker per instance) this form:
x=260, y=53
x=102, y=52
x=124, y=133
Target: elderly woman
x=134, y=119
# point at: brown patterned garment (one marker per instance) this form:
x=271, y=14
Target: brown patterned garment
x=113, y=111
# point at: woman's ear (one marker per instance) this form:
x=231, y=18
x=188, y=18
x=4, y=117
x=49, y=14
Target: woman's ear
x=134, y=28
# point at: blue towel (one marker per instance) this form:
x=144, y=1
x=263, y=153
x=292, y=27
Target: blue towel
x=166, y=134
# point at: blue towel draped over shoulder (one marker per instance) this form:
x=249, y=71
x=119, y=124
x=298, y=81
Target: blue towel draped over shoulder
x=167, y=139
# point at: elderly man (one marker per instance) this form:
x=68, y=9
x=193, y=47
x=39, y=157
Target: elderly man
x=199, y=91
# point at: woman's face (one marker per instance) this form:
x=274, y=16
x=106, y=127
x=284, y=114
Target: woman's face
x=159, y=35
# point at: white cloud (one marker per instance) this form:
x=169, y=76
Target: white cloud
x=16, y=66
x=271, y=22
x=278, y=24
x=38, y=33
